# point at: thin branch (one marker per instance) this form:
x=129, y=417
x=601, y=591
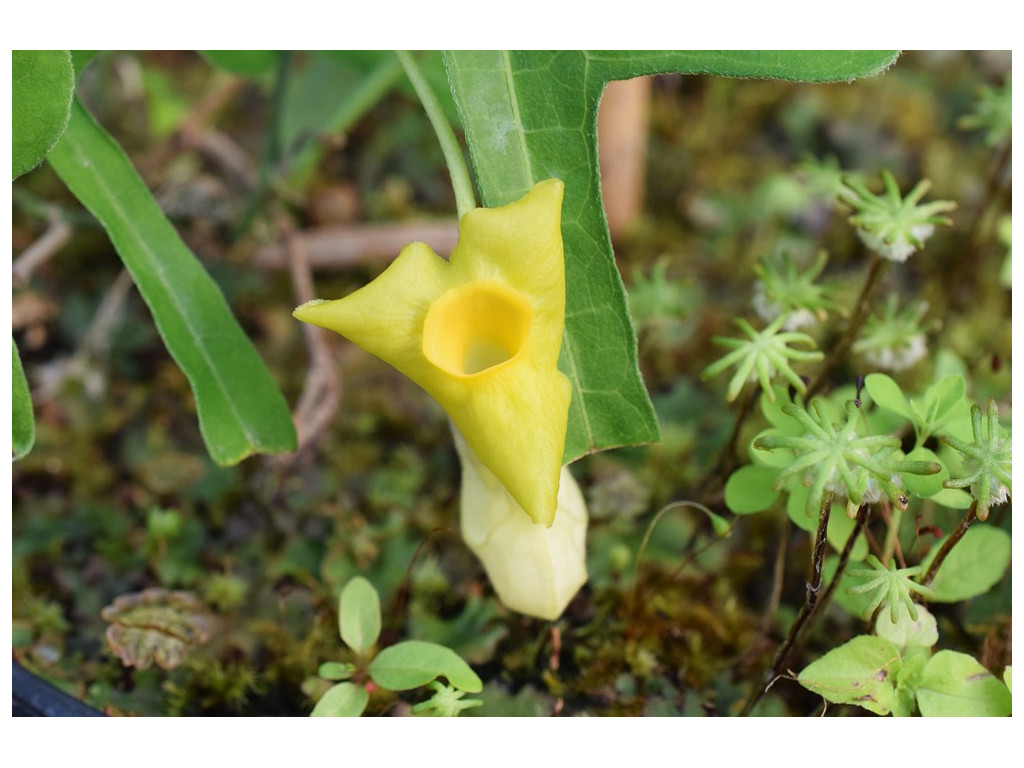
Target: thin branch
x=319, y=399
x=813, y=588
x=949, y=543
x=57, y=233
x=861, y=312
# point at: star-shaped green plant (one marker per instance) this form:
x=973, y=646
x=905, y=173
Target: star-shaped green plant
x=894, y=340
x=446, y=702
x=988, y=461
x=892, y=585
x=842, y=462
x=893, y=226
x=993, y=113
x=761, y=356
x=782, y=288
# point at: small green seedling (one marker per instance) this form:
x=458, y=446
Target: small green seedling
x=400, y=667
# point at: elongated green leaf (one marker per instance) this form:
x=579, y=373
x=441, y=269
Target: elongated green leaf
x=343, y=700
x=359, y=615
x=241, y=410
x=532, y=115
x=414, y=663
x=43, y=83
x=23, y=426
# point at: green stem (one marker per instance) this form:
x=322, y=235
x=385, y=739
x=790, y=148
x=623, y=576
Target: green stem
x=861, y=311
x=465, y=200
x=274, y=147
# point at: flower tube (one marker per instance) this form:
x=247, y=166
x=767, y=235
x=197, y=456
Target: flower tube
x=481, y=333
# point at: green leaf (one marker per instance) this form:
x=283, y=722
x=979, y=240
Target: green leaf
x=23, y=426
x=751, y=489
x=241, y=410
x=246, y=63
x=887, y=394
x=359, y=615
x=336, y=670
x=906, y=631
x=975, y=565
x=955, y=685
x=861, y=672
x=343, y=700
x=43, y=84
x=924, y=486
x=413, y=663
x=532, y=115
x=942, y=397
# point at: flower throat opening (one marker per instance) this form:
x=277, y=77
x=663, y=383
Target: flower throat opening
x=475, y=327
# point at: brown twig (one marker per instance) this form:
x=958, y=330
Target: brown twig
x=50, y=242
x=813, y=587
x=340, y=247
x=949, y=543
x=319, y=399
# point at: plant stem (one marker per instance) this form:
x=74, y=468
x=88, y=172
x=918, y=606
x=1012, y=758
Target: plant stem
x=862, y=520
x=861, y=311
x=813, y=587
x=273, y=151
x=949, y=543
x=727, y=460
x=465, y=200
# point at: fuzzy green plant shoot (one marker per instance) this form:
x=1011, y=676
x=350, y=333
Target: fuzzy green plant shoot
x=762, y=356
x=837, y=460
x=782, y=288
x=987, y=461
x=400, y=667
x=889, y=224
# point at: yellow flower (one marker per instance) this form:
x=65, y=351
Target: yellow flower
x=535, y=570
x=481, y=333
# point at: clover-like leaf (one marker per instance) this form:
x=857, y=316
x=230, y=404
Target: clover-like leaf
x=891, y=225
x=761, y=356
x=156, y=625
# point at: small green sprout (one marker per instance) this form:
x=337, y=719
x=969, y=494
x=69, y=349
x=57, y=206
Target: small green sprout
x=400, y=667
x=446, y=702
x=891, y=585
x=993, y=113
x=761, y=357
x=842, y=462
x=894, y=340
x=988, y=461
x=890, y=225
x=782, y=288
